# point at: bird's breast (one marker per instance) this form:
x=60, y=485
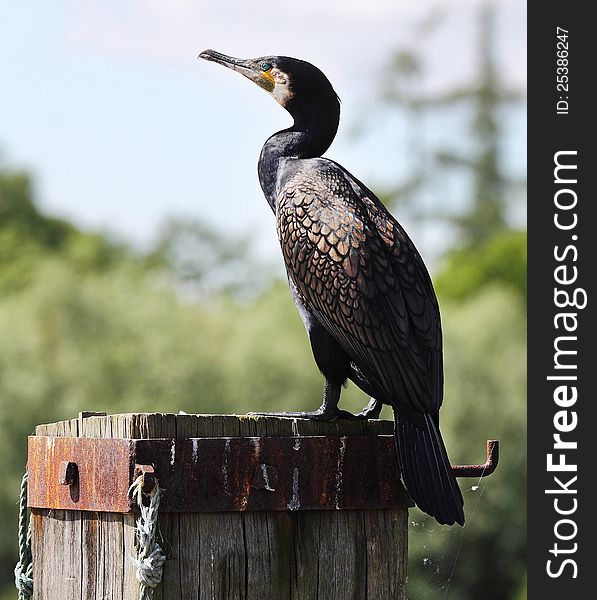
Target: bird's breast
x=311, y=229
x=325, y=251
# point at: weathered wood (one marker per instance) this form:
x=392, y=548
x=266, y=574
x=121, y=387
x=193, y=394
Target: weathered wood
x=56, y=543
x=298, y=555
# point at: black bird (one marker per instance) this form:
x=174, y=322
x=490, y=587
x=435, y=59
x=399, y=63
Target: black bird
x=358, y=281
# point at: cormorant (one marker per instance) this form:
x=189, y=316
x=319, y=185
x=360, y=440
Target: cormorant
x=358, y=282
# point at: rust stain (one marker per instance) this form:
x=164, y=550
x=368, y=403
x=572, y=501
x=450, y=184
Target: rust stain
x=225, y=474
x=492, y=454
x=103, y=472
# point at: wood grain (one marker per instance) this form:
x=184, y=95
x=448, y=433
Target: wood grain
x=294, y=555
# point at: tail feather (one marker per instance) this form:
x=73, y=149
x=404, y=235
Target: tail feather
x=426, y=470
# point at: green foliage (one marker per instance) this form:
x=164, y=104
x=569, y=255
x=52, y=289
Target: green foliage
x=27, y=236
x=501, y=260
x=89, y=325
x=522, y=594
x=116, y=341
x=10, y=594
x=482, y=292
x=485, y=350
x=19, y=214
x=484, y=98
x=201, y=260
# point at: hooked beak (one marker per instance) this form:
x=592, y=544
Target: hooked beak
x=248, y=68
x=236, y=64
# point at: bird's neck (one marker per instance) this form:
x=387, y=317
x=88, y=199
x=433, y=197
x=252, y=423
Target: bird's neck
x=309, y=137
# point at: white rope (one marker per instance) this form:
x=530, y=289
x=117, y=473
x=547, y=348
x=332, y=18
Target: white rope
x=24, y=568
x=150, y=557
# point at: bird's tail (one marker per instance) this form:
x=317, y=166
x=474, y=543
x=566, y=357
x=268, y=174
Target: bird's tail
x=426, y=470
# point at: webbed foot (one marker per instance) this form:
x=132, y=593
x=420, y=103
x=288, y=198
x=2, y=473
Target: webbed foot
x=328, y=411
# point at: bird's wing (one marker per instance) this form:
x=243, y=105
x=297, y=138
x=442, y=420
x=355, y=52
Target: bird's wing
x=361, y=276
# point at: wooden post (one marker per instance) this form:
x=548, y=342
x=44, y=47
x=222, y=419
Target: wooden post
x=291, y=555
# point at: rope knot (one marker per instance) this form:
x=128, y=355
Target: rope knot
x=150, y=557
x=24, y=580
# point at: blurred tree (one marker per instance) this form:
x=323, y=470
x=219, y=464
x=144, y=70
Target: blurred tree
x=485, y=365
x=482, y=292
x=86, y=321
x=18, y=212
x=502, y=260
x=203, y=261
x=83, y=334
x=113, y=340
x=522, y=594
x=27, y=235
x=484, y=99
x=89, y=324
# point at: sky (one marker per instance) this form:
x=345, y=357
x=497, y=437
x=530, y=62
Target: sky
x=122, y=127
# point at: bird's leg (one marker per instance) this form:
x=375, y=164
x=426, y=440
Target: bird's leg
x=328, y=411
x=372, y=410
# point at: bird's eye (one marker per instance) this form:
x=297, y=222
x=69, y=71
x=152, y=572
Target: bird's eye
x=265, y=66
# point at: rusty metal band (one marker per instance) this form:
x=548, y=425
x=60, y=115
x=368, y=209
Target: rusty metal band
x=217, y=474
x=223, y=474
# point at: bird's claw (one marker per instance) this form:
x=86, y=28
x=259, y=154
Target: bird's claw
x=371, y=411
x=315, y=415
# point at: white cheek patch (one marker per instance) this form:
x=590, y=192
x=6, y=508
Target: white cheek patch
x=281, y=92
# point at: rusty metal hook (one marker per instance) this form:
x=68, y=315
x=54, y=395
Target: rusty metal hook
x=492, y=454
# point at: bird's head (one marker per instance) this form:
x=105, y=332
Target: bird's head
x=297, y=85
